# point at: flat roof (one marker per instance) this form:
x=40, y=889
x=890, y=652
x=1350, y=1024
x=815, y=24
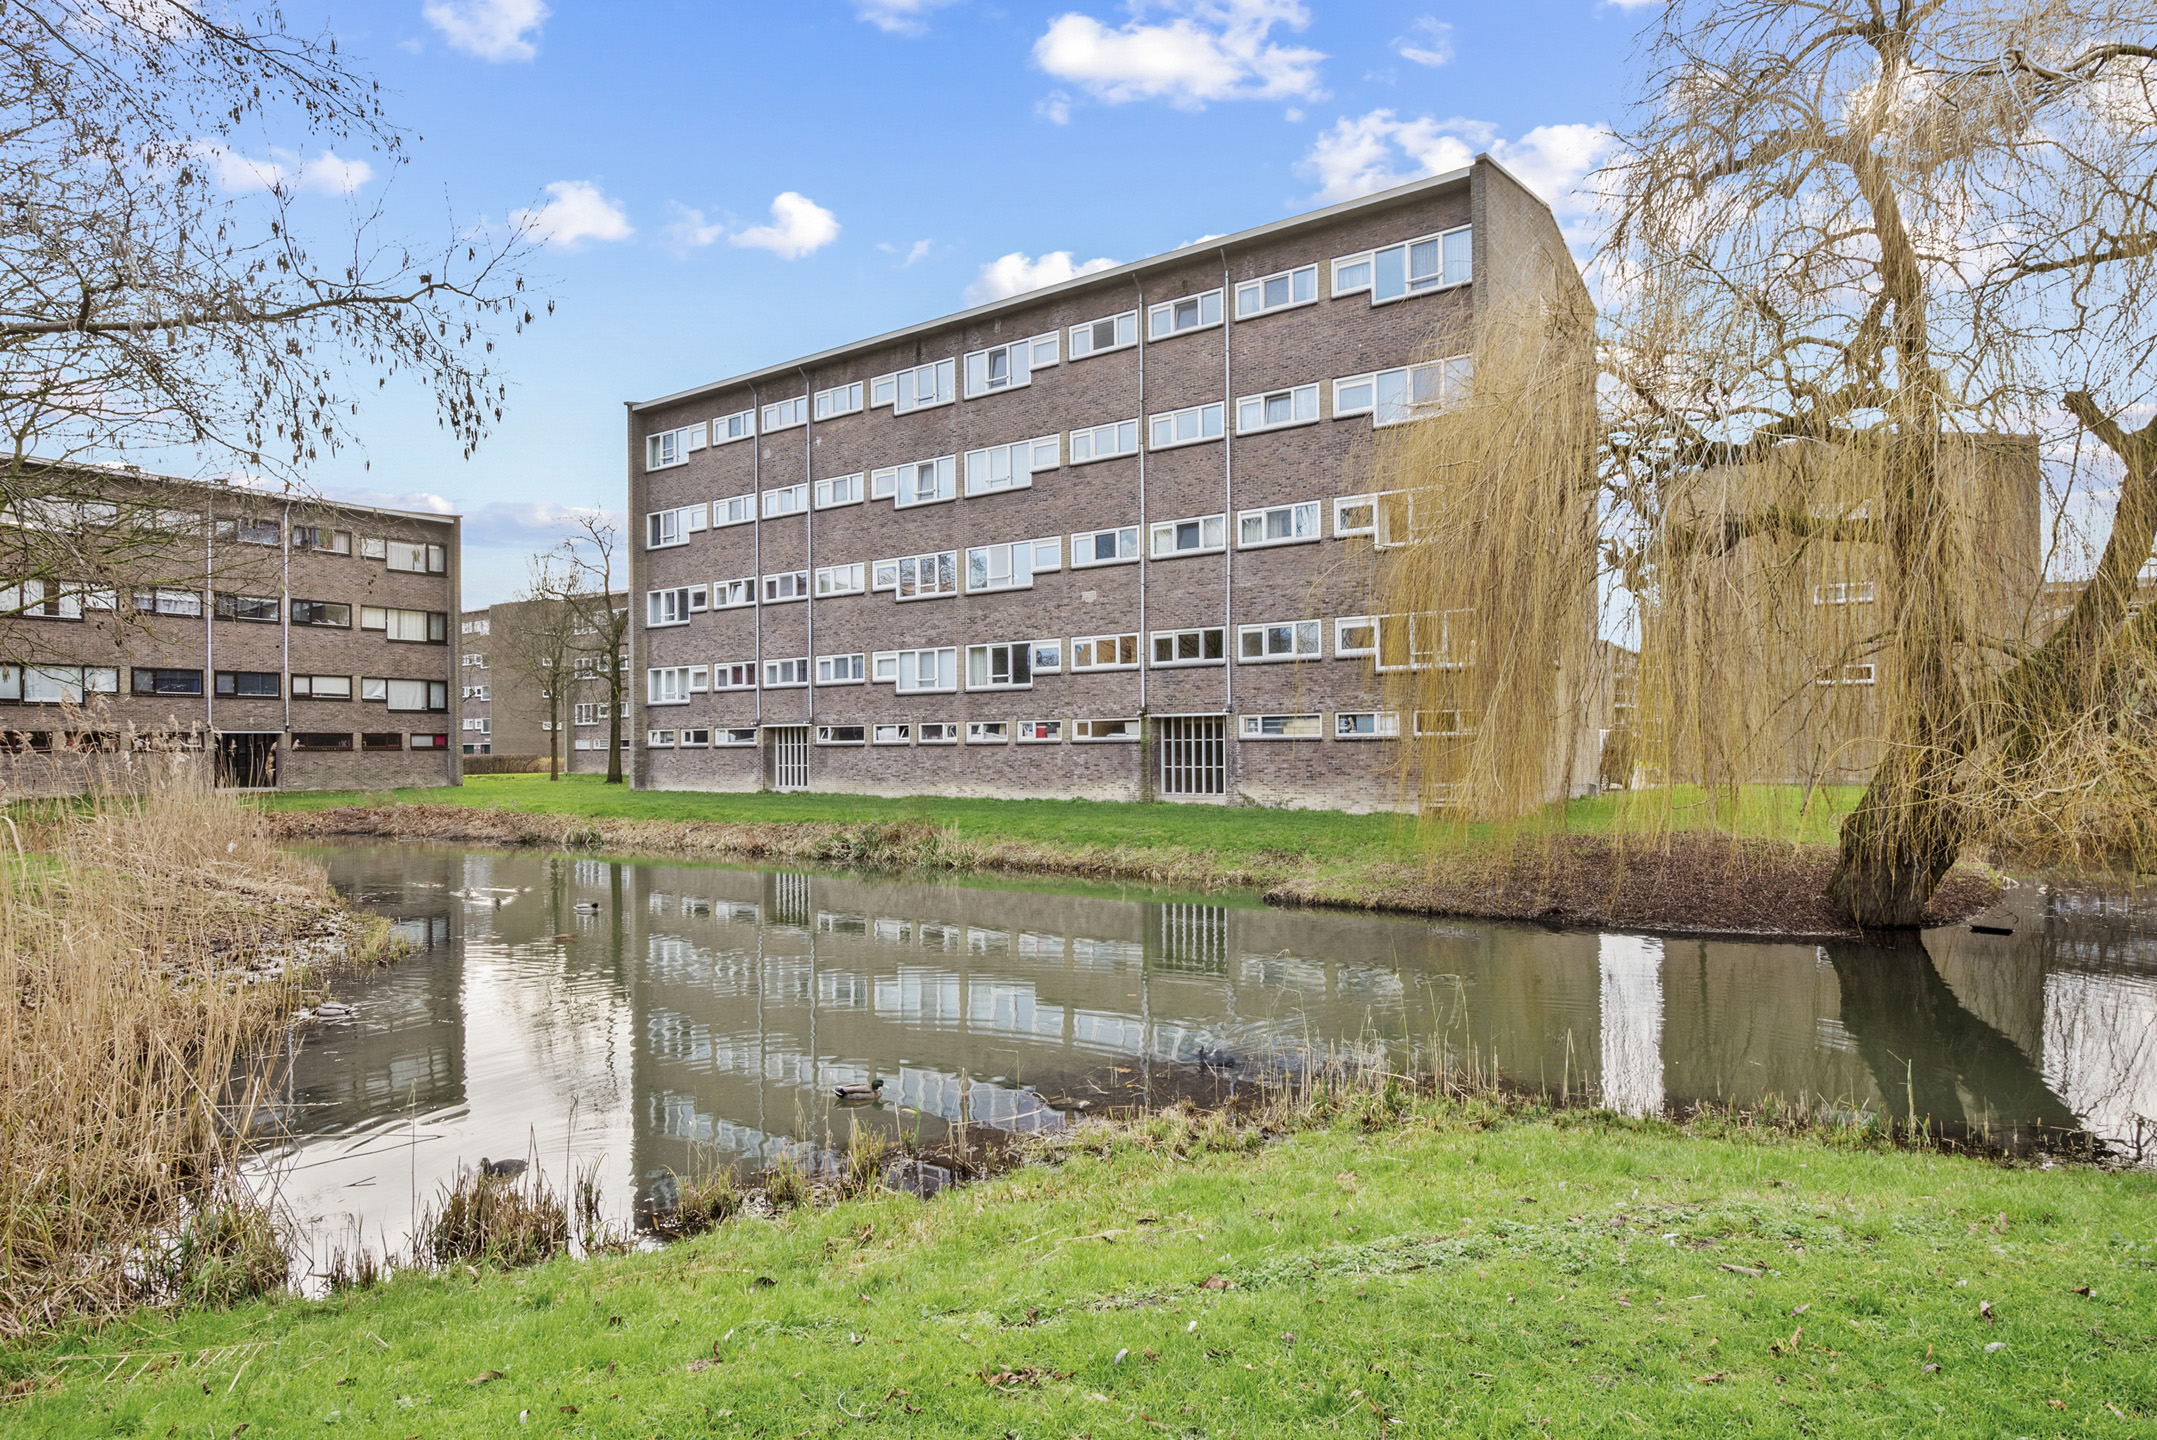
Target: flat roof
x=1081, y=282
x=122, y=471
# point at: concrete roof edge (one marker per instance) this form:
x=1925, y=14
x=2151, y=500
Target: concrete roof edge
x=222, y=487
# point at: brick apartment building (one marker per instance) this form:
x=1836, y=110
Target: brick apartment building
x=505, y=711
x=1109, y=538
x=307, y=642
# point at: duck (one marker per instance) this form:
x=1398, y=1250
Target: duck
x=501, y=1169
x=587, y=907
x=1216, y=1059
x=858, y=1093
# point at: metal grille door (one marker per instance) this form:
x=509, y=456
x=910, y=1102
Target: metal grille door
x=1194, y=755
x=790, y=757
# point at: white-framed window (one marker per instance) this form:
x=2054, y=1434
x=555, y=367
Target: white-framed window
x=842, y=735
x=1442, y=724
x=1192, y=425
x=840, y=669
x=840, y=490
x=841, y=579
x=1292, y=640
x=1354, y=635
x=1012, y=566
x=1366, y=725
x=734, y=510
x=673, y=607
x=988, y=732
x=741, y=425
x=419, y=558
x=590, y=712
x=1844, y=592
x=1087, y=731
x=478, y=724
x=1048, y=657
x=659, y=739
x=697, y=739
x=417, y=627
x=838, y=400
x=786, y=500
x=1039, y=732
x=663, y=528
x=734, y=675
x=1180, y=317
x=785, y=586
x=917, y=672
x=1393, y=397
x=919, y=482
x=1008, y=367
x=1010, y=467
x=918, y=577
x=1194, y=536
x=1355, y=515
x=1429, y=641
x=1207, y=645
x=937, y=732
x=786, y=414
x=1104, y=652
x=1278, y=525
x=674, y=684
x=1280, y=727
x=1277, y=409
x=373, y=547
x=786, y=674
x=889, y=734
x=1104, y=547
x=915, y=388
x=735, y=735
x=671, y=447
x=1846, y=675
x=1002, y=666
x=1104, y=442
x=1277, y=292
x=733, y=594
x=1413, y=267
x=1110, y=332
x=471, y=692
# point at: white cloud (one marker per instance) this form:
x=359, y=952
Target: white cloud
x=1366, y=153
x=1016, y=273
x=577, y=212
x=490, y=29
x=899, y=17
x=326, y=174
x=1428, y=42
x=799, y=227
x=919, y=250
x=1208, y=50
x=690, y=230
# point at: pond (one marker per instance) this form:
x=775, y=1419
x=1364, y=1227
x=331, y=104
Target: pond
x=655, y=1018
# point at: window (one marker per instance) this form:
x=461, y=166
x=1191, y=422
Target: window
x=734, y=510
x=392, y=740
x=1431, y=262
x=839, y=670
x=322, y=740
x=1279, y=727
x=786, y=414
x=1828, y=675
x=419, y=558
x=475, y=627
x=788, y=585
x=471, y=692
x=1208, y=646
x=838, y=400
x=1277, y=409
x=323, y=687
x=34, y=599
x=1194, y=536
x=672, y=447
x=1104, y=652
x=935, y=732
x=786, y=674
x=1088, y=730
x=1048, y=656
x=673, y=607
x=892, y=734
x=248, y=532
x=988, y=732
x=1366, y=725
x=413, y=626
x=331, y=614
x=1000, y=667
x=1104, y=547
x=406, y=694
x=1277, y=525
x=248, y=607
x=786, y=500
x=922, y=482
x=741, y=425
x=67, y=684
x=1012, y=566
x=845, y=490
x=698, y=739
x=663, y=528
x=1845, y=592
x=733, y=594
x=1104, y=442
x=1297, y=640
x=1355, y=515
x=918, y=672
x=674, y=684
x=473, y=662
x=842, y=579
x=842, y=735
x=1188, y=426
x=250, y=684
x=168, y=602
x=1112, y=332
x=917, y=388
x=1355, y=635
x=1009, y=467
x=1176, y=317
x=734, y=675
x=1277, y=292
x=322, y=541
x=1411, y=392
x=1039, y=732
x=1426, y=642
x=1008, y=367
x=373, y=548
x=1442, y=723
x=659, y=739
x=919, y=577
x=588, y=712
x=739, y=735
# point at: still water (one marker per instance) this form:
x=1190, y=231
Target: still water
x=655, y=1018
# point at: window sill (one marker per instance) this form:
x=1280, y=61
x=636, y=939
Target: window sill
x=1188, y=664
x=1277, y=544
x=1098, y=669
x=1275, y=659
x=1282, y=309
x=1179, y=334
x=1185, y=444
x=1283, y=425
x=1416, y=294
x=1186, y=554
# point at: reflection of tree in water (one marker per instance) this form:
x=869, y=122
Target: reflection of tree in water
x=1931, y=1055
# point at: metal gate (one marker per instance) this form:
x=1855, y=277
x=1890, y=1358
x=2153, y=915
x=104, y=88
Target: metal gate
x=1194, y=754
x=790, y=757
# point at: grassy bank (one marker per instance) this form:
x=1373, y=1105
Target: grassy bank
x=1594, y=862
x=1464, y=1265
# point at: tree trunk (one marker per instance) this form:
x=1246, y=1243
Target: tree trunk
x=614, y=729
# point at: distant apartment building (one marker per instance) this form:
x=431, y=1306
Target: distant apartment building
x=307, y=643
x=1109, y=538
x=506, y=704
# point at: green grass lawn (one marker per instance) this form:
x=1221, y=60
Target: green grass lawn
x=1536, y=1278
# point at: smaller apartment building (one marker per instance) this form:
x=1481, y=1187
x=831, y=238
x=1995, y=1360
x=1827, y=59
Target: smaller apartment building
x=505, y=705
x=307, y=643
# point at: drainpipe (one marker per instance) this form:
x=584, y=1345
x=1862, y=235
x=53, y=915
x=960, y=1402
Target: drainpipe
x=209, y=632
x=756, y=559
x=1230, y=753
x=808, y=521
x=1145, y=546
x=284, y=625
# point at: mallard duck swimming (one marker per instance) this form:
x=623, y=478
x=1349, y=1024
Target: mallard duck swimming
x=501, y=1169
x=858, y=1092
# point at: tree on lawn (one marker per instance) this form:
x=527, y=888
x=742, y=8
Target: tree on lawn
x=588, y=560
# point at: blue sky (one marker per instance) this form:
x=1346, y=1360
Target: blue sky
x=721, y=186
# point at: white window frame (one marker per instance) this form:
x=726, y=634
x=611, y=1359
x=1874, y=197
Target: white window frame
x=785, y=414
x=891, y=733
x=1385, y=725
x=936, y=732
x=839, y=400
x=1846, y=592
x=1019, y=461
x=902, y=670
x=988, y=732
x=728, y=429
x=1175, y=638
x=1347, y=282
x=891, y=575
x=829, y=735
x=1016, y=654
x=1091, y=646
x=1420, y=659
x=785, y=500
x=1344, y=522
x=1344, y=627
x=665, y=529
x=694, y=739
x=1126, y=335
x=841, y=490
x=1254, y=291
x=1048, y=656
x=903, y=390
x=1449, y=377
x=787, y=673
x=1308, y=727
x=1040, y=732
x=589, y=712
x=1862, y=674
x=1120, y=435
x=1210, y=418
x=1427, y=727
x=1020, y=359
x=659, y=739
x=832, y=580
x=734, y=675
x=1309, y=513
x=673, y=606
x=1211, y=530
x=1022, y=560
x=665, y=449
x=850, y=669
x=1302, y=403
x=1105, y=731
x=734, y=594
x=1123, y=533
x=675, y=684
x=902, y=484
x=734, y=735
x=1161, y=319
x=1313, y=631
x=784, y=587
x=734, y=510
